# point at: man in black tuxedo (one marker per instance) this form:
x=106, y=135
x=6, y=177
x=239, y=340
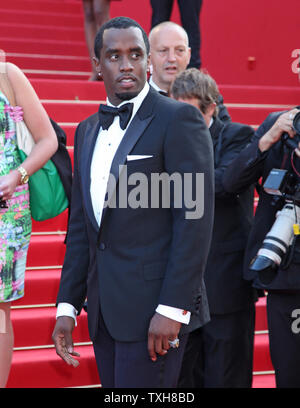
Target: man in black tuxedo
x=282, y=283
x=220, y=354
x=170, y=55
x=139, y=262
x=190, y=14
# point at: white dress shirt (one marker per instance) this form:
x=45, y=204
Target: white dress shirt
x=156, y=87
x=105, y=149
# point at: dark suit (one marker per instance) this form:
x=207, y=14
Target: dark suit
x=142, y=257
x=189, y=13
x=284, y=290
x=220, y=353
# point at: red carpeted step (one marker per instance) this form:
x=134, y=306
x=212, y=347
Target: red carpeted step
x=70, y=111
x=56, y=224
x=261, y=322
x=260, y=94
x=252, y=115
x=42, y=368
x=41, y=287
x=264, y=381
x=48, y=46
x=38, y=17
x=47, y=6
x=262, y=360
x=13, y=30
x=45, y=250
x=54, y=74
x=48, y=62
x=34, y=327
x=73, y=89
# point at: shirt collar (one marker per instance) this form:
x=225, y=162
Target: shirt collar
x=156, y=87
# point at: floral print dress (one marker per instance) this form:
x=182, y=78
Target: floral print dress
x=15, y=221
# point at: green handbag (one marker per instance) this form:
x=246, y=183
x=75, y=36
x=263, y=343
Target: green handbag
x=46, y=191
x=47, y=195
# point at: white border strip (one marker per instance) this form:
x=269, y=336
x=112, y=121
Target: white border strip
x=258, y=105
x=62, y=57
x=48, y=72
x=50, y=346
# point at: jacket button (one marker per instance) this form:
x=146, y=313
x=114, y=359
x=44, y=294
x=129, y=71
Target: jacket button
x=102, y=246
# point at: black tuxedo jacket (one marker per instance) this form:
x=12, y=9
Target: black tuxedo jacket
x=249, y=167
x=141, y=257
x=227, y=290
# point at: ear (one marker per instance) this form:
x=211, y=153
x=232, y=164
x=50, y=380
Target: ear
x=149, y=63
x=209, y=113
x=97, y=65
x=211, y=109
x=190, y=54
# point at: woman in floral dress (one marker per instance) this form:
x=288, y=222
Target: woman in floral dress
x=15, y=218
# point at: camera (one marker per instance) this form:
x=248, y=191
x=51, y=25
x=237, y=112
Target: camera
x=277, y=247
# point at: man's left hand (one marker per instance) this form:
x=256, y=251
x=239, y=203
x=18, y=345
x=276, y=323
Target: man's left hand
x=161, y=331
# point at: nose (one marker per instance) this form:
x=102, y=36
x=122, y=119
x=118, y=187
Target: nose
x=126, y=65
x=171, y=55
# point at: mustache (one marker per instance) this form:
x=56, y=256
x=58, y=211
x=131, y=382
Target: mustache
x=126, y=76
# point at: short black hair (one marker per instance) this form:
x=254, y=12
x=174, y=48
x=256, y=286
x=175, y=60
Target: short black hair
x=118, y=22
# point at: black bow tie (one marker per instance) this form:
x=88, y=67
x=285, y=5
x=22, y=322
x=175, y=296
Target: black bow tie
x=108, y=113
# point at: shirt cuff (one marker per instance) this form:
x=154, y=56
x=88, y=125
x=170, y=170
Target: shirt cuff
x=174, y=313
x=66, y=309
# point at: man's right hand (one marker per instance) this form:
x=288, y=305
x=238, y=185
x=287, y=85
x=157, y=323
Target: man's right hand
x=283, y=124
x=63, y=341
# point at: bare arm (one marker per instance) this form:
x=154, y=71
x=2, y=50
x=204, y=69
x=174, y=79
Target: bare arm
x=39, y=125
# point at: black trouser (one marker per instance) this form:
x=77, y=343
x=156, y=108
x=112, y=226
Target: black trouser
x=128, y=365
x=190, y=13
x=220, y=354
x=283, y=310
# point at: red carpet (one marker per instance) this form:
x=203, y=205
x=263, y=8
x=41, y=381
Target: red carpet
x=46, y=39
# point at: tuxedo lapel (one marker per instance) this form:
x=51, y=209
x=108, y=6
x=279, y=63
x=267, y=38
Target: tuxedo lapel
x=87, y=150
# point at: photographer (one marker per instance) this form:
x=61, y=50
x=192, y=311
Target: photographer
x=220, y=354
x=269, y=151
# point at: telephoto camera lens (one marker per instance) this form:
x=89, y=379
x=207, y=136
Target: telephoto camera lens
x=276, y=244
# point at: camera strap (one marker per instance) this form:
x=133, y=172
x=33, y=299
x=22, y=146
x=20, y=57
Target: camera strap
x=285, y=157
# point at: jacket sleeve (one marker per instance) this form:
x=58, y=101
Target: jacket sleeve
x=73, y=285
x=235, y=139
x=247, y=167
x=188, y=150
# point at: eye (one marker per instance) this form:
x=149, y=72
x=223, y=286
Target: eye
x=135, y=55
x=162, y=51
x=113, y=57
